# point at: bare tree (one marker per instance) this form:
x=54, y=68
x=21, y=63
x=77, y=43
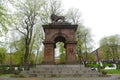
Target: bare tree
x=74, y=16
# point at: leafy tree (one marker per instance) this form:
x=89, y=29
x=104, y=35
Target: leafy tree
x=17, y=49
x=32, y=59
x=83, y=36
x=40, y=57
x=110, y=47
x=62, y=52
x=27, y=17
x=17, y=57
x=91, y=57
x=36, y=44
x=5, y=18
x=62, y=57
x=2, y=55
x=84, y=42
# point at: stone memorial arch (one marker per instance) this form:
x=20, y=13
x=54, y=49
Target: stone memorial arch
x=59, y=32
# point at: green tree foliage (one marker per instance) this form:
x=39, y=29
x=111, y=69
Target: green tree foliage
x=36, y=44
x=62, y=57
x=84, y=42
x=28, y=18
x=62, y=52
x=17, y=49
x=91, y=57
x=17, y=57
x=110, y=47
x=2, y=55
x=5, y=18
x=26, y=21
x=40, y=57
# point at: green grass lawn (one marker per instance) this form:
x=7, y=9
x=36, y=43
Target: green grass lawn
x=113, y=71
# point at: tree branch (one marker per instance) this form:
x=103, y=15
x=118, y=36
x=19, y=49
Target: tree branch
x=20, y=31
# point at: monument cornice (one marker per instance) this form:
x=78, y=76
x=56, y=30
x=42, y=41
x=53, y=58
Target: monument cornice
x=60, y=25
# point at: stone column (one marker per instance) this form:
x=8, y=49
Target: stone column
x=49, y=53
x=71, y=53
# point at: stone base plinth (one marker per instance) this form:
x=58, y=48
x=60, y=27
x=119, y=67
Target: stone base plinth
x=61, y=71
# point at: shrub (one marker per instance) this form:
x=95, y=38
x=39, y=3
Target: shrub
x=93, y=65
x=106, y=64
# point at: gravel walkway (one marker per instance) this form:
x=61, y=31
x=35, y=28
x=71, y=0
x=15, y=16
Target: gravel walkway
x=113, y=77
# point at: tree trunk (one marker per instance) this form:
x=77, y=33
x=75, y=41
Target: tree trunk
x=26, y=56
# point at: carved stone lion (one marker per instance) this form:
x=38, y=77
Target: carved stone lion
x=55, y=18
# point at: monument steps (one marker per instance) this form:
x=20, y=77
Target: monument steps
x=60, y=71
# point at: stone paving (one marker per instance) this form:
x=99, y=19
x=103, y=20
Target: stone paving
x=113, y=77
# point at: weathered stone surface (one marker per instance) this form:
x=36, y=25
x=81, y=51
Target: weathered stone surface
x=60, y=32
x=61, y=71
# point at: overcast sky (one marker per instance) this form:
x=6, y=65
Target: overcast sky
x=101, y=16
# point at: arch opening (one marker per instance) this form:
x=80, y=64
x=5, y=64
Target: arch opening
x=60, y=39
x=60, y=50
